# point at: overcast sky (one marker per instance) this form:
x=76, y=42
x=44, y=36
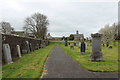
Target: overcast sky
x=65, y=17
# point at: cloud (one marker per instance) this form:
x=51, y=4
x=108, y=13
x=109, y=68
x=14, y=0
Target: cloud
x=64, y=17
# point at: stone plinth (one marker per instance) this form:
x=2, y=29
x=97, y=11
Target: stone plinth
x=96, y=47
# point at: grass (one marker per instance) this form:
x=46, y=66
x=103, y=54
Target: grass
x=28, y=66
x=110, y=57
x=60, y=41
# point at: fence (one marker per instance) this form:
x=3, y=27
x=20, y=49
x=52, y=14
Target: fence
x=14, y=46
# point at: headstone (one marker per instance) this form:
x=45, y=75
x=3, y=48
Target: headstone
x=7, y=53
x=114, y=43
x=71, y=46
x=96, y=47
x=18, y=50
x=66, y=42
x=28, y=47
x=74, y=44
x=82, y=48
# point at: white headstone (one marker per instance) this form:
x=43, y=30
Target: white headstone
x=28, y=47
x=18, y=50
x=7, y=53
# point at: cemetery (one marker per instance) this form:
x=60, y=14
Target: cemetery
x=48, y=45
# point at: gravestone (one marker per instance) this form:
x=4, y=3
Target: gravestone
x=18, y=50
x=7, y=53
x=74, y=44
x=96, y=47
x=82, y=48
x=66, y=42
x=114, y=43
x=71, y=46
x=28, y=47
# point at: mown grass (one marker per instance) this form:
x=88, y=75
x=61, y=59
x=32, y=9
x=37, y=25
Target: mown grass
x=28, y=66
x=60, y=41
x=110, y=57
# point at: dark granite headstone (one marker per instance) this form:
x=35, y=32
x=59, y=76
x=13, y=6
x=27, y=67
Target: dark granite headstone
x=74, y=44
x=82, y=48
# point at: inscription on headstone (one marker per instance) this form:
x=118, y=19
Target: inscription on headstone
x=18, y=50
x=7, y=53
x=96, y=47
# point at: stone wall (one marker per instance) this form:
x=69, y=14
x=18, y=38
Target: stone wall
x=26, y=45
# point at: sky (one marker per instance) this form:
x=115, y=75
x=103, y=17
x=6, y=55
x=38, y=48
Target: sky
x=65, y=16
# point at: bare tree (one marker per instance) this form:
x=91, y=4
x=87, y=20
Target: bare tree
x=37, y=25
x=109, y=34
x=6, y=28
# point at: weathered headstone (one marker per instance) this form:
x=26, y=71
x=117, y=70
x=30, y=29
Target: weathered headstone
x=18, y=50
x=114, y=43
x=72, y=46
x=7, y=53
x=28, y=47
x=82, y=48
x=96, y=47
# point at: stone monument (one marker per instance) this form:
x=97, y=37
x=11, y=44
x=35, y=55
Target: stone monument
x=96, y=47
x=18, y=50
x=7, y=53
x=66, y=42
x=82, y=48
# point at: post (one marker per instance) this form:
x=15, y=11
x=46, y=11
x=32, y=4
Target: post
x=96, y=47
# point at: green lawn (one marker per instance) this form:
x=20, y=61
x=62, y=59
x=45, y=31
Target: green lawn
x=110, y=57
x=28, y=66
x=54, y=41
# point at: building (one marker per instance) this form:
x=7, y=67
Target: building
x=78, y=37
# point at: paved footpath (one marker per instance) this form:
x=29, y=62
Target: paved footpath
x=60, y=65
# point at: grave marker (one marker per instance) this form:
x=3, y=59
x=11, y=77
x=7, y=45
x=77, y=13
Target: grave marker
x=7, y=53
x=18, y=50
x=96, y=47
x=82, y=48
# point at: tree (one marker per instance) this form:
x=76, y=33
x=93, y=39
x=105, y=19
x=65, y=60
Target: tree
x=63, y=38
x=6, y=28
x=37, y=25
x=109, y=34
x=71, y=37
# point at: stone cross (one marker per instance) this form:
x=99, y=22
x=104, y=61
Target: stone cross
x=18, y=50
x=82, y=48
x=7, y=53
x=96, y=47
